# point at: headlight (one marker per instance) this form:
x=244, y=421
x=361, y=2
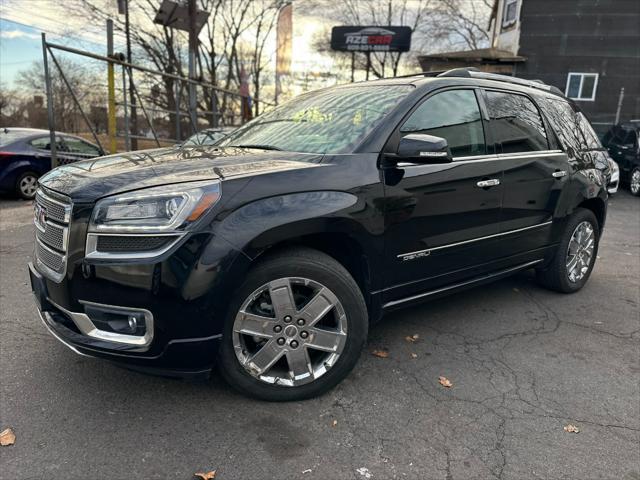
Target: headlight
x=157, y=209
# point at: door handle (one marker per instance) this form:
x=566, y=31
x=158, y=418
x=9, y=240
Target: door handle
x=559, y=174
x=488, y=183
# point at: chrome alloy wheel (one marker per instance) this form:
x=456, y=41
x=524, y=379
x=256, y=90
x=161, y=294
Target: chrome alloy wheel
x=580, y=252
x=290, y=331
x=635, y=181
x=28, y=186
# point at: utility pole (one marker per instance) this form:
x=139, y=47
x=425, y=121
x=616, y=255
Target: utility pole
x=193, y=48
x=111, y=90
x=123, y=8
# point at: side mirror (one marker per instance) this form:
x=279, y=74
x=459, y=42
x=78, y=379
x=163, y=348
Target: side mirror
x=422, y=148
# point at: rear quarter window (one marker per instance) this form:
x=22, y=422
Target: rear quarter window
x=564, y=122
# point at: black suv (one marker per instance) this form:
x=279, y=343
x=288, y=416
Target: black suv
x=271, y=253
x=623, y=142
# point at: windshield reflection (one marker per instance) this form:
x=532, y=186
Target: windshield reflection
x=335, y=120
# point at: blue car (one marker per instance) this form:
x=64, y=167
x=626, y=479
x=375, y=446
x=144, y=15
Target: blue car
x=25, y=155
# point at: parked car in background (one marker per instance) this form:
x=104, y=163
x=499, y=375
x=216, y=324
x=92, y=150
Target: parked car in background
x=210, y=136
x=623, y=143
x=25, y=155
x=271, y=253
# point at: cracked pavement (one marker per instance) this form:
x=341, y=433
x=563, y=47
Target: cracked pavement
x=524, y=363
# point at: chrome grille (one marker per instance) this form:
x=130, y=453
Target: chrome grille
x=53, y=235
x=57, y=210
x=52, y=221
x=52, y=260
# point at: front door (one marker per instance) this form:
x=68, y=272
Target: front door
x=439, y=219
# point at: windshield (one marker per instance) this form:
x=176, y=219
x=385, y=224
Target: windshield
x=206, y=137
x=328, y=121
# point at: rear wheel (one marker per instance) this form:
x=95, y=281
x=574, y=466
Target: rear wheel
x=26, y=185
x=295, y=329
x=575, y=256
x=634, y=181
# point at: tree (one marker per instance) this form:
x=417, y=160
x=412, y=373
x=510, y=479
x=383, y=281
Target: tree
x=235, y=34
x=82, y=81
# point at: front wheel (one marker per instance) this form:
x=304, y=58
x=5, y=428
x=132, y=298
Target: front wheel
x=26, y=185
x=575, y=256
x=634, y=182
x=295, y=328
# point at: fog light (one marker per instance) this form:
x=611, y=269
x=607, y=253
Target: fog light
x=133, y=323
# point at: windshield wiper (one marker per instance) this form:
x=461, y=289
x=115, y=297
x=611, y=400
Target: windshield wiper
x=257, y=145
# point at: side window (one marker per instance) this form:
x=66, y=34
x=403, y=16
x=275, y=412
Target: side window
x=515, y=123
x=563, y=119
x=75, y=145
x=453, y=115
x=590, y=139
x=41, y=143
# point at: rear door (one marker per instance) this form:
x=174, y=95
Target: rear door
x=439, y=219
x=535, y=171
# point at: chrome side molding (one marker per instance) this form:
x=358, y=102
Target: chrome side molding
x=427, y=251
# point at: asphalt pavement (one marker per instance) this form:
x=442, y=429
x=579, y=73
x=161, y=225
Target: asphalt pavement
x=524, y=363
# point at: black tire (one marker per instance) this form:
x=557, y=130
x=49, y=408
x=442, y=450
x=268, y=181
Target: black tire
x=634, y=187
x=556, y=275
x=318, y=267
x=26, y=185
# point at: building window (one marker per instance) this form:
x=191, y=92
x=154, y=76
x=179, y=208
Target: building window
x=582, y=86
x=510, y=13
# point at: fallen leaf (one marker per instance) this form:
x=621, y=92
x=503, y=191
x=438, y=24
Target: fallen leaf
x=571, y=429
x=445, y=382
x=7, y=437
x=412, y=338
x=364, y=472
x=206, y=476
x=334, y=423
x=383, y=353
x=414, y=355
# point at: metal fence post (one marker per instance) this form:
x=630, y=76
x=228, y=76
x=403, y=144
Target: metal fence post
x=178, y=119
x=111, y=85
x=50, y=120
x=214, y=107
x=127, y=139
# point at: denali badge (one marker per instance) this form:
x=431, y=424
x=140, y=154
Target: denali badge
x=433, y=154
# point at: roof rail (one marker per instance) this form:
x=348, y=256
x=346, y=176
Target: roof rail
x=433, y=73
x=472, y=72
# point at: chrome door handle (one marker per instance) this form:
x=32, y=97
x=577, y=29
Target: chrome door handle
x=488, y=183
x=559, y=174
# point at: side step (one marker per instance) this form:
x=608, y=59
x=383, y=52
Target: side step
x=460, y=286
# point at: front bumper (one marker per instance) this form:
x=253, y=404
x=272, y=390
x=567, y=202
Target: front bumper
x=182, y=357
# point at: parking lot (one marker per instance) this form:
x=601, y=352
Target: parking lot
x=524, y=363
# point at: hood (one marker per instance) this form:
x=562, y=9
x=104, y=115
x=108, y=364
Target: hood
x=90, y=180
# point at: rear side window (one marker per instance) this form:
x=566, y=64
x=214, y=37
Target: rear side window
x=590, y=139
x=562, y=118
x=42, y=143
x=453, y=115
x=75, y=145
x=515, y=123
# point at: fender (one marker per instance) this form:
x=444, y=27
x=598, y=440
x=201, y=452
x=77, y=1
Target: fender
x=588, y=185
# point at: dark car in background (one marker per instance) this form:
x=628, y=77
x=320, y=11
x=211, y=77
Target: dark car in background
x=271, y=252
x=623, y=143
x=25, y=155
